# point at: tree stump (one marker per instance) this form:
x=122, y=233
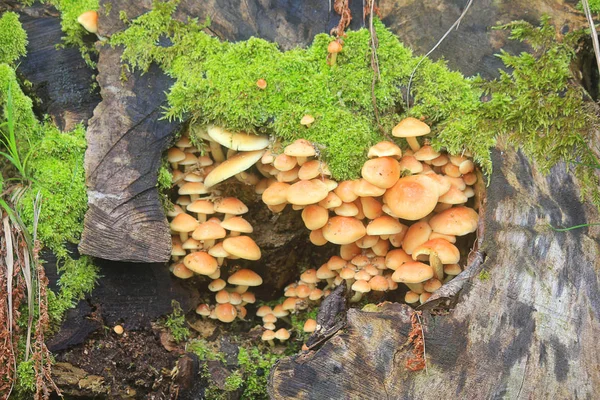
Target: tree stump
x=526, y=331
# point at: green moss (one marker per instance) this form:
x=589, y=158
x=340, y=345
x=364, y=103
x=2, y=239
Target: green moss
x=70, y=10
x=25, y=377
x=77, y=278
x=13, y=38
x=21, y=104
x=594, y=6
x=175, y=323
x=484, y=275
x=164, y=184
x=58, y=174
x=299, y=82
x=203, y=350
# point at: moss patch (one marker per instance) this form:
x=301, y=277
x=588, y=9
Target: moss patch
x=13, y=38
x=216, y=83
x=535, y=106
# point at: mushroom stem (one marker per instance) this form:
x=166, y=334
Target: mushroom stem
x=413, y=143
x=174, y=165
x=234, y=233
x=227, y=216
x=415, y=287
x=184, y=236
x=436, y=264
x=201, y=217
x=241, y=289
x=333, y=58
x=208, y=243
x=271, y=342
x=356, y=298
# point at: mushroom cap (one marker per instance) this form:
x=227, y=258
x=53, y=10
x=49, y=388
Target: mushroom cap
x=183, y=142
x=412, y=272
x=201, y=263
x=325, y=273
x=237, y=224
x=452, y=269
x=385, y=149
x=184, y=223
x=426, y=153
x=316, y=237
x=191, y=244
x=411, y=297
x=410, y=127
x=307, y=120
x=411, y=164
x=312, y=169
x=234, y=165
x=395, y=258
x=89, y=20
x=379, y=283
x=310, y=325
x=279, y=312
x=263, y=310
x=201, y=207
x=334, y=47
x=371, y=207
x=453, y=196
x=242, y=247
x=384, y=225
x=432, y=285
x=225, y=312
x=382, y=172
x=345, y=191
x=416, y=235
x=245, y=277
x=282, y=334
x=261, y=83
x=209, y=230
x=192, y=188
x=230, y=205
x=300, y=148
x=203, y=309
x=283, y=162
x=239, y=141
x=306, y=192
x=276, y=194
x=446, y=251
x=268, y=335
x=309, y=276
x=343, y=230
x=412, y=197
x=174, y=155
x=217, y=285
x=180, y=271
x=218, y=251
x=364, y=188
x=455, y=221
x=189, y=159
x=361, y=286
x=314, y=216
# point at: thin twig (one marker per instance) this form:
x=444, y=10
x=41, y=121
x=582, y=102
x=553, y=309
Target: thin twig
x=594, y=32
x=423, y=335
x=454, y=25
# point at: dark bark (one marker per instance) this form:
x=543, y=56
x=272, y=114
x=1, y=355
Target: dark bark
x=61, y=81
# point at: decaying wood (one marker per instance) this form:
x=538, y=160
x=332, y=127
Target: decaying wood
x=60, y=80
x=126, y=138
x=527, y=331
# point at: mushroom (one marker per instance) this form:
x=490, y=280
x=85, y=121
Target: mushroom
x=261, y=83
x=237, y=225
x=244, y=278
x=230, y=206
x=310, y=325
x=236, y=164
x=385, y=149
x=412, y=274
x=180, y=271
x=201, y=208
x=410, y=128
x=333, y=49
x=412, y=197
x=193, y=189
x=307, y=120
x=416, y=235
x=343, y=230
x=174, y=156
x=360, y=287
x=282, y=334
x=316, y=237
x=306, y=192
x=184, y=224
x=217, y=285
x=208, y=232
x=89, y=20
x=225, y=312
x=312, y=169
x=201, y=263
x=382, y=172
x=238, y=141
x=268, y=336
x=118, y=329
x=457, y=221
x=411, y=297
x=242, y=247
x=314, y=216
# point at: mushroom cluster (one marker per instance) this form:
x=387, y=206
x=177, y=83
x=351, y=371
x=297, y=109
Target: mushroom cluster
x=206, y=228
x=398, y=223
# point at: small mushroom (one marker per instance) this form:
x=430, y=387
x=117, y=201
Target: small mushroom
x=333, y=49
x=89, y=20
